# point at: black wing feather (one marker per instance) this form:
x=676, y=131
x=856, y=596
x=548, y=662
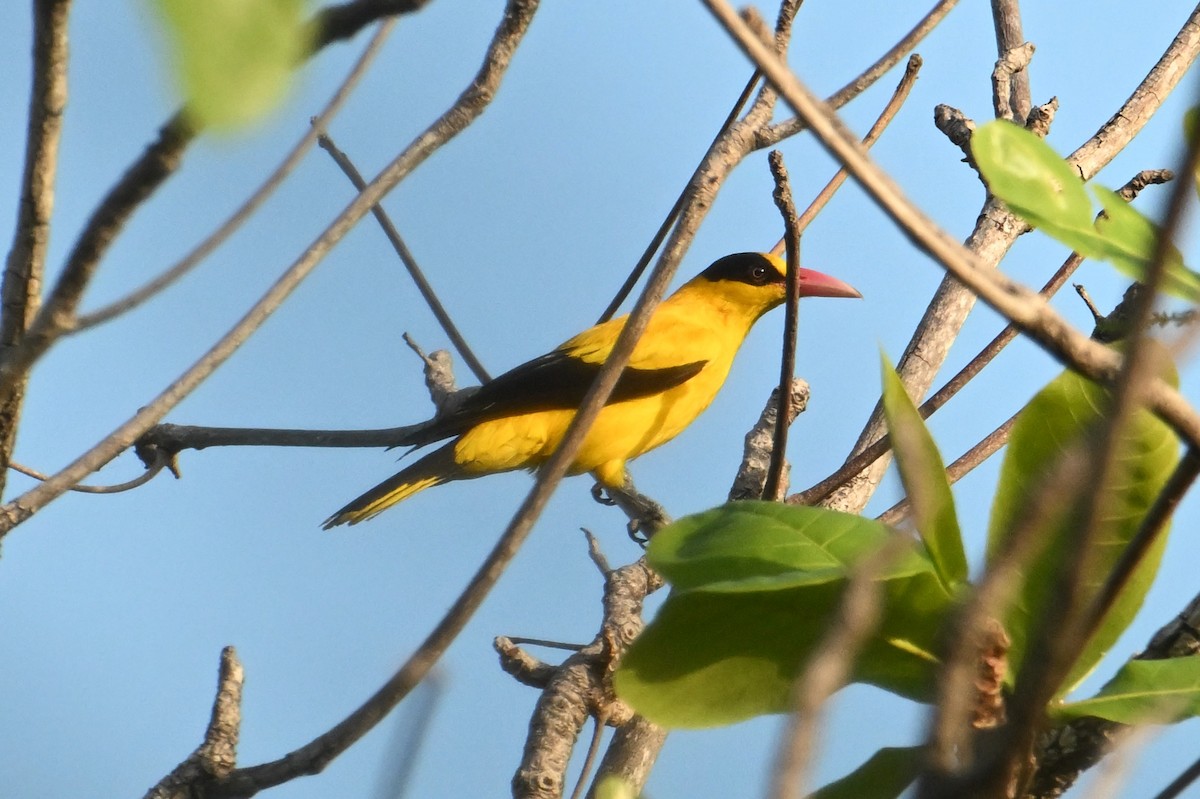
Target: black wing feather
x=554, y=381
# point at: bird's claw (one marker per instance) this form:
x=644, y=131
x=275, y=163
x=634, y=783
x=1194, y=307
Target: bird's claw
x=634, y=530
x=599, y=493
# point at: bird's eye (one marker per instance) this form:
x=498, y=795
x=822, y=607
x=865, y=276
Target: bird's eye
x=759, y=274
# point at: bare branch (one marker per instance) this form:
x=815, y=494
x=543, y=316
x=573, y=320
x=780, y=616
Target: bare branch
x=751, y=479
x=465, y=110
x=663, y=229
x=868, y=77
x=1094, y=154
x=410, y=263
x=775, y=486
x=581, y=688
x=829, y=668
x=216, y=757
x=967, y=264
x=1008, y=74
x=158, y=162
x=869, y=455
x=1011, y=101
x=251, y=203
x=160, y=461
x=903, y=89
x=25, y=266
x=522, y=666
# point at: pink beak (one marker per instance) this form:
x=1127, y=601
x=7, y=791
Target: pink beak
x=819, y=284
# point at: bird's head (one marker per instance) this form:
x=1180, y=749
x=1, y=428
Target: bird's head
x=757, y=281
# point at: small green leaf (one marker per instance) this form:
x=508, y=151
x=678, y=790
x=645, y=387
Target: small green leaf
x=1130, y=239
x=234, y=58
x=1144, y=692
x=1054, y=421
x=756, y=585
x=885, y=776
x=1031, y=179
x=924, y=477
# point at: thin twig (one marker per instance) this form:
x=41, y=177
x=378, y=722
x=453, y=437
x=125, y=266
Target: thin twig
x=663, y=229
x=251, y=204
x=470, y=104
x=160, y=461
x=158, y=162
x=1181, y=783
x=818, y=492
x=988, y=446
x=775, y=487
x=1152, y=527
x=868, y=77
x=590, y=759
x=995, y=231
x=903, y=89
x=410, y=262
x=829, y=669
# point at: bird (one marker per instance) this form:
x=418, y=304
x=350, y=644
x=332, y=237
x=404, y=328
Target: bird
x=517, y=420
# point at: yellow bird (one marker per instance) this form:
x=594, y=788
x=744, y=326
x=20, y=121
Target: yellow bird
x=517, y=420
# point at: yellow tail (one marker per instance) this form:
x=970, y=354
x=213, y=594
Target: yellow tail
x=434, y=469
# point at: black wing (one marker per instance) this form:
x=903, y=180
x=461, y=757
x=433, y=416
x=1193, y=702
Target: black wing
x=555, y=381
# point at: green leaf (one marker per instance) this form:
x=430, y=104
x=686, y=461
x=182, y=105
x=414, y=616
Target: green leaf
x=234, y=58
x=1052, y=423
x=613, y=787
x=1129, y=242
x=755, y=587
x=1044, y=190
x=758, y=545
x=1035, y=183
x=1191, y=123
x=1144, y=692
x=924, y=477
x=885, y=776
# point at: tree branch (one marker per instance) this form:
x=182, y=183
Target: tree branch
x=470, y=104
x=1012, y=100
x=969, y=265
x=251, y=204
x=25, y=266
x=158, y=162
x=216, y=757
x=410, y=262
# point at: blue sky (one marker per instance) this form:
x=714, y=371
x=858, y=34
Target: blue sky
x=113, y=610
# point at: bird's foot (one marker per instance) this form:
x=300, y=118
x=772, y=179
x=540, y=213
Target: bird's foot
x=601, y=494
